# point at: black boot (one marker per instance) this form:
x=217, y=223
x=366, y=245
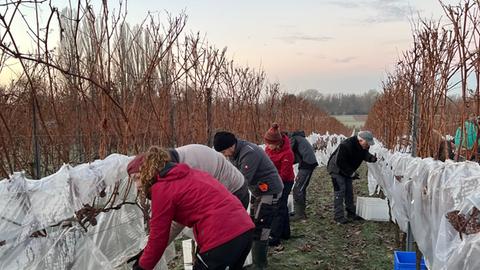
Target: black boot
x=354, y=217
x=259, y=254
x=299, y=212
x=341, y=220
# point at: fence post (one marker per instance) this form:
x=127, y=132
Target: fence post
x=410, y=239
x=36, y=147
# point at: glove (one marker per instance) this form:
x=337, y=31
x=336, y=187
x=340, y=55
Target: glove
x=136, y=266
x=136, y=258
x=373, y=159
x=355, y=175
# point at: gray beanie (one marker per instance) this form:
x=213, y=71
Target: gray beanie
x=367, y=136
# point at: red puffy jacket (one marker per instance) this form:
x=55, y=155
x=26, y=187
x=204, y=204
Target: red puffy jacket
x=194, y=199
x=283, y=159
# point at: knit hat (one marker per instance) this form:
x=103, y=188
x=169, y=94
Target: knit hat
x=223, y=140
x=367, y=136
x=273, y=135
x=134, y=165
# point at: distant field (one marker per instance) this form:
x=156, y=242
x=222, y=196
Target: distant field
x=353, y=121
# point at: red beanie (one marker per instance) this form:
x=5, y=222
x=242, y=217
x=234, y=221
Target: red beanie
x=134, y=165
x=273, y=135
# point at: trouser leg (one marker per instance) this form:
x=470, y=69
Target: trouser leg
x=339, y=188
x=263, y=210
x=281, y=222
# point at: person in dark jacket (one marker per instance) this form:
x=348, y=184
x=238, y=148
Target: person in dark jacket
x=263, y=182
x=307, y=162
x=342, y=166
x=279, y=151
x=221, y=226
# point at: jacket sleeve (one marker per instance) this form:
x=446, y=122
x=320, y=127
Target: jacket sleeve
x=286, y=166
x=162, y=216
x=248, y=166
x=369, y=157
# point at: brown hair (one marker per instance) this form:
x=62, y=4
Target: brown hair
x=155, y=160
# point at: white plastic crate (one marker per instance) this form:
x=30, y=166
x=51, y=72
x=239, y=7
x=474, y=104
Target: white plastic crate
x=374, y=209
x=187, y=248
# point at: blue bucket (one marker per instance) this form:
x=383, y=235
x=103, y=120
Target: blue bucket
x=406, y=260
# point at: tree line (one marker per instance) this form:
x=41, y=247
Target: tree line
x=341, y=104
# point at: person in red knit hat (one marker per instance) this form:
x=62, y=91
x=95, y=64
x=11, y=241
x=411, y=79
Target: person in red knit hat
x=279, y=150
x=221, y=226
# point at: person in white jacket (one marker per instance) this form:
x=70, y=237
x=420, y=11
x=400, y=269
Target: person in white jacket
x=206, y=159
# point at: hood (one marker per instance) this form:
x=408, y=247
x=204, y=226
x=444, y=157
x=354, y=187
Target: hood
x=238, y=146
x=286, y=143
x=173, y=171
x=298, y=133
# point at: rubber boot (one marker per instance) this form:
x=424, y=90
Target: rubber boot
x=259, y=255
x=299, y=212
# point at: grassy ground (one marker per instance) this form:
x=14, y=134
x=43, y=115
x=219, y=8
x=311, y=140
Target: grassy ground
x=319, y=243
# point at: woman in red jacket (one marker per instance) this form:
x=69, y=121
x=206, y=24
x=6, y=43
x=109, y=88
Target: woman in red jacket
x=279, y=151
x=221, y=226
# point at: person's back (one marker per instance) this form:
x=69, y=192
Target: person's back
x=206, y=159
x=257, y=168
x=303, y=151
x=204, y=204
x=348, y=156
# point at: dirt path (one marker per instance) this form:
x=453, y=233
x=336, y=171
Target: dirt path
x=322, y=244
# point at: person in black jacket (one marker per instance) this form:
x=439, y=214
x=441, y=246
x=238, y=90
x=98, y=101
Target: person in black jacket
x=307, y=162
x=264, y=183
x=342, y=166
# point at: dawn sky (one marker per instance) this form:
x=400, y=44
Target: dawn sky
x=329, y=45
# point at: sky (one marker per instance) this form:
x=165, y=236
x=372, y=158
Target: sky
x=330, y=45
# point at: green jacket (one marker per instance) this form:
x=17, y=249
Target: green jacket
x=468, y=140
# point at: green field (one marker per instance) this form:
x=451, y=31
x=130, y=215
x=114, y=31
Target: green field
x=352, y=121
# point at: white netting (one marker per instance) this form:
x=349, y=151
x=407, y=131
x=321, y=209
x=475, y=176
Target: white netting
x=423, y=192
x=38, y=229
x=40, y=226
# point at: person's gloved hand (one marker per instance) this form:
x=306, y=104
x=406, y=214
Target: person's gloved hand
x=373, y=158
x=355, y=175
x=136, y=258
x=136, y=266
